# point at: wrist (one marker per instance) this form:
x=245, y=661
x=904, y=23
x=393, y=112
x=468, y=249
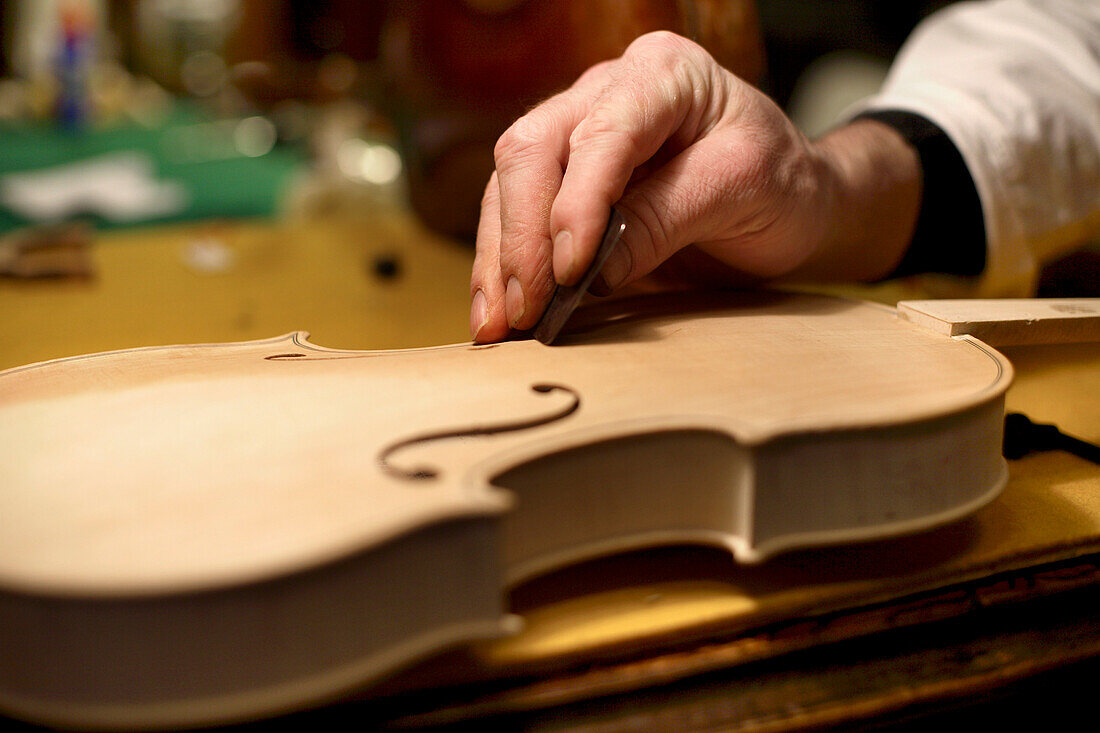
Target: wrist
x=870, y=197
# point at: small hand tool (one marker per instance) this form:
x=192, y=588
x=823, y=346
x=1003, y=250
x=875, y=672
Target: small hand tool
x=566, y=297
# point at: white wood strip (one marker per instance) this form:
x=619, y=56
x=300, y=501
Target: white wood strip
x=1009, y=322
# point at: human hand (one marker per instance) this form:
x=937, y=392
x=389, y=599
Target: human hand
x=689, y=155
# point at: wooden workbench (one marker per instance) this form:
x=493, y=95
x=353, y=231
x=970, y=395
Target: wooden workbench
x=316, y=276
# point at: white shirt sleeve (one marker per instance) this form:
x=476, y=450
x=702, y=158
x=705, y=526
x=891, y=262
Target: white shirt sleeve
x=1015, y=85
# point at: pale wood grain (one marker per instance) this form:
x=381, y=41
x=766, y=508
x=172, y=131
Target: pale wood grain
x=1010, y=322
x=255, y=443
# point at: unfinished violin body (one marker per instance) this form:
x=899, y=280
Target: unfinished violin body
x=201, y=534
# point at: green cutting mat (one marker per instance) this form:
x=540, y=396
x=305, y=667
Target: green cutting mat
x=230, y=187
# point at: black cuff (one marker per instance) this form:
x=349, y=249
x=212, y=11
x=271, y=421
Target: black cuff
x=950, y=233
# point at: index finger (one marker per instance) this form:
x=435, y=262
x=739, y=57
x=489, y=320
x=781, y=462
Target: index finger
x=530, y=161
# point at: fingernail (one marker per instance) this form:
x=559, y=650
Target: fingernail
x=479, y=313
x=617, y=267
x=564, y=256
x=514, y=304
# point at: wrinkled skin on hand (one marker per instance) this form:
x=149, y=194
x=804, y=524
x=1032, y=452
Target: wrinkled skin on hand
x=689, y=154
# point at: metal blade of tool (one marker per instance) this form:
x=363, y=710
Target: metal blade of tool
x=567, y=297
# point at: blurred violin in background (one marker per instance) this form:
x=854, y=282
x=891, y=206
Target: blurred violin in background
x=451, y=75
x=463, y=70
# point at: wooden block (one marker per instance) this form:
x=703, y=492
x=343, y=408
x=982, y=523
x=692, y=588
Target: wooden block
x=1009, y=322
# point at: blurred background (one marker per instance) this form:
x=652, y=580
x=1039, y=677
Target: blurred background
x=210, y=170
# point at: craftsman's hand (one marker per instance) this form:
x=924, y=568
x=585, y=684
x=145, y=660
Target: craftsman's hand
x=689, y=155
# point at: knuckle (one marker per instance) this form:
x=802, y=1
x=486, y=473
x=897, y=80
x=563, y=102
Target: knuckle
x=663, y=55
x=526, y=264
x=664, y=51
x=506, y=145
x=521, y=239
x=524, y=134
x=604, y=131
x=594, y=73
x=660, y=43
